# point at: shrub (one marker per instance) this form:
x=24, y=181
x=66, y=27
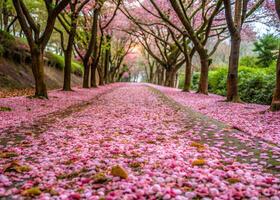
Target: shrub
x=58, y=60
x=195, y=80
x=255, y=84
x=266, y=47
x=249, y=61
x=217, y=81
x=2, y=50
x=7, y=41
x=181, y=80
x=77, y=68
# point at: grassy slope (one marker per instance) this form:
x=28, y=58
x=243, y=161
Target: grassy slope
x=17, y=76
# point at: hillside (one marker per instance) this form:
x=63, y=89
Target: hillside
x=16, y=73
x=17, y=76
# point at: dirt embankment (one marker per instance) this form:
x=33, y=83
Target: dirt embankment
x=17, y=78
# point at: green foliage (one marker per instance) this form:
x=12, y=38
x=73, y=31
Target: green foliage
x=9, y=42
x=3, y=108
x=218, y=80
x=195, y=80
x=181, y=80
x=6, y=40
x=266, y=48
x=2, y=50
x=255, y=85
x=249, y=61
x=58, y=60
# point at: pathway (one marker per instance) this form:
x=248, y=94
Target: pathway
x=130, y=142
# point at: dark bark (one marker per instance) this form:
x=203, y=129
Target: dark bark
x=95, y=49
x=107, y=59
x=71, y=31
x=275, y=105
x=162, y=76
x=203, y=81
x=93, y=75
x=101, y=77
x=151, y=74
x=173, y=79
x=167, y=77
x=68, y=56
x=92, y=48
x=86, y=74
x=234, y=25
x=170, y=78
x=188, y=74
x=67, y=71
x=159, y=75
x=38, y=72
x=5, y=14
x=12, y=24
x=188, y=54
x=232, y=79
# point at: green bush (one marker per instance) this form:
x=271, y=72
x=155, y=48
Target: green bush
x=58, y=60
x=181, y=80
x=195, y=80
x=266, y=48
x=249, y=61
x=6, y=40
x=2, y=50
x=255, y=84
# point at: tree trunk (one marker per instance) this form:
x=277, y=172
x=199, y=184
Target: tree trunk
x=275, y=105
x=232, y=79
x=93, y=75
x=95, y=49
x=100, y=75
x=168, y=77
x=38, y=72
x=151, y=74
x=68, y=56
x=188, y=74
x=203, y=81
x=92, y=48
x=172, y=82
x=86, y=75
x=107, y=59
x=67, y=71
x=5, y=15
x=162, y=76
x=159, y=75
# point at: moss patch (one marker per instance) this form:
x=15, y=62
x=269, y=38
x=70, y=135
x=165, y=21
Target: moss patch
x=5, y=109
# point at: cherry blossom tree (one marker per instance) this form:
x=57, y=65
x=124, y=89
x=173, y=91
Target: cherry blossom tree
x=197, y=20
x=121, y=47
x=191, y=21
x=38, y=38
x=70, y=27
x=236, y=13
x=90, y=42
